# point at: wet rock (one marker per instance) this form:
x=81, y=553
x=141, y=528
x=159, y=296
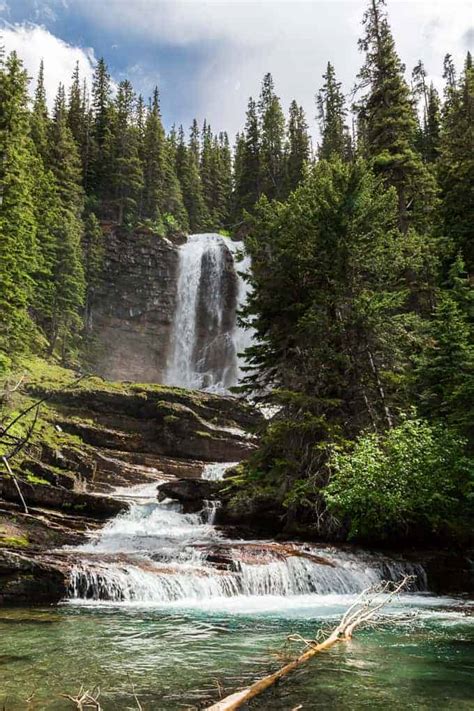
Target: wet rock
x=30, y=581
x=191, y=493
x=55, y=497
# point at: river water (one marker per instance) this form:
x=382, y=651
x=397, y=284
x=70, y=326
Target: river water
x=151, y=613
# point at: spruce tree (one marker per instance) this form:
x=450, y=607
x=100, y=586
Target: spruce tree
x=247, y=172
x=432, y=127
x=153, y=161
x=456, y=163
x=335, y=139
x=17, y=219
x=173, y=205
x=272, y=141
x=100, y=147
x=64, y=162
x=187, y=169
x=445, y=369
x=39, y=116
x=126, y=173
x=390, y=121
x=298, y=146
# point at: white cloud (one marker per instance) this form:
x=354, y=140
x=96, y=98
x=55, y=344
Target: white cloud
x=293, y=39
x=34, y=42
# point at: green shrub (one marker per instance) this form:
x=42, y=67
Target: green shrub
x=416, y=475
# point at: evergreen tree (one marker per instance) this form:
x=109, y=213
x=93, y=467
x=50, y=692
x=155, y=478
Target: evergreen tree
x=432, y=127
x=101, y=139
x=173, y=205
x=330, y=260
x=48, y=215
x=456, y=163
x=187, y=169
x=39, y=116
x=153, y=161
x=126, y=176
x=335, y=139
x=247, y=173
x=17, y=219
x=76, y=110
x=272, y=141
x=445, y=372
x=298, y=146
x=390, y=122
x=64, y=162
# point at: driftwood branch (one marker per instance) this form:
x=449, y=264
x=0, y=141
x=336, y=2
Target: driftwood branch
x=364, y=611
x=85, y=699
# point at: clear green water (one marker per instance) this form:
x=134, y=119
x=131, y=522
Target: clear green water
x=176, y=658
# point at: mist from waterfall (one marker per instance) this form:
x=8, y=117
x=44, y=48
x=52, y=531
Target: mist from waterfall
x=206, y=338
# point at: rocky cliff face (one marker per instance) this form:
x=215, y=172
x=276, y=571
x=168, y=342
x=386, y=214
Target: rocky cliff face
x=133, y=308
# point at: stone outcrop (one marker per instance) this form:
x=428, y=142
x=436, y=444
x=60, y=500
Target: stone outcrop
x=132, y=310
x=91, y=440
x=25, y=580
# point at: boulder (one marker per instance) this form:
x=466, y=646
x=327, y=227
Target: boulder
x=191, y=493
x=30, y=581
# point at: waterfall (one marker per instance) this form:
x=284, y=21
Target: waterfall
x=216, y=471
x=155, y=554
x=206, y=339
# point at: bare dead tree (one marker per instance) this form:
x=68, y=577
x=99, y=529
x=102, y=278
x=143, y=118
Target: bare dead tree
x=365, y=611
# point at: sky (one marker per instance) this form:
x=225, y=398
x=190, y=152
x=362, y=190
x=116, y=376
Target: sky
x=208, y=56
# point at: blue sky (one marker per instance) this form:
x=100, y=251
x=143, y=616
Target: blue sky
x=208, y=56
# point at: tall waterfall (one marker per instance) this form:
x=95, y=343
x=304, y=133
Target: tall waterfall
x=156, y=554
x=206, y=338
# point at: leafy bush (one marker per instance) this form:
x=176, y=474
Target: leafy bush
x=417, y=475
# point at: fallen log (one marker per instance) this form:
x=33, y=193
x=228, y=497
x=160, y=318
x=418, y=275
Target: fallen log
x=363, y=612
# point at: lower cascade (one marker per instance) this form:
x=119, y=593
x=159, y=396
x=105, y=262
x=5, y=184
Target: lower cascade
x=156, y=554
x=206, y=339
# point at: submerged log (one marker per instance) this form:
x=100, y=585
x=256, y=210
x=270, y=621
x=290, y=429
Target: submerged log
x=362, y=612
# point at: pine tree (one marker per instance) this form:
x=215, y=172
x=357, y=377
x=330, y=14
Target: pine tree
x=17, y=219
x=445, y=372
x=330, y=260
x=391, y=123
x=187, y=169
x=48, y=215
x=335, y=139
x=456, y=163
x=78, y=119
x=272, y=141
x=173, y=205
x=126, y=176
x=298, y=146
x=64, y=162
x=247, y=172
x=39, y=116
x=153, y=161
x=432, y=127
x=100, y=138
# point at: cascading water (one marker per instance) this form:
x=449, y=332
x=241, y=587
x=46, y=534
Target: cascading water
x=206, y=338
x=157, y=555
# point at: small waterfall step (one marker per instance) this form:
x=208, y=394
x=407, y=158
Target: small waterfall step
x=155, y=554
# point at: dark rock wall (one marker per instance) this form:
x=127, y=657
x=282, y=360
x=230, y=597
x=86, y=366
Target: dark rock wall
x=132, y=310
